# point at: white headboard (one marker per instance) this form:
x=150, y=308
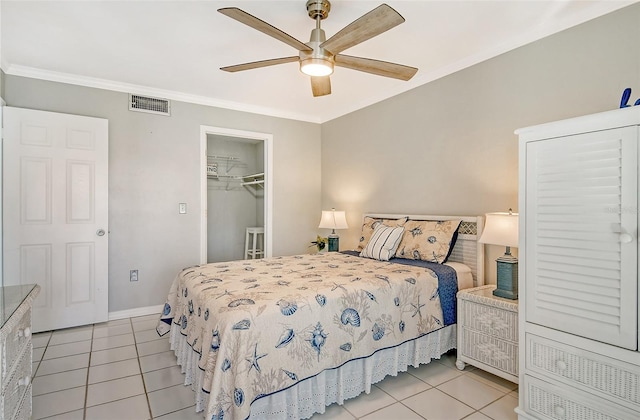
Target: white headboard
x=467, y=250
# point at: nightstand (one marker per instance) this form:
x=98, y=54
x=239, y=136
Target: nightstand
x=488, y=332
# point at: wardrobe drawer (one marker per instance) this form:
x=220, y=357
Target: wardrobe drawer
x=583, y=369
x=492, y=351
x=490, y=320
x=15, y=341
x=546, y=401
x=24, y=410
x=17, y=384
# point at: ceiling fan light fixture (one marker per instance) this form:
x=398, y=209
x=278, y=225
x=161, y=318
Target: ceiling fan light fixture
x=316, y=67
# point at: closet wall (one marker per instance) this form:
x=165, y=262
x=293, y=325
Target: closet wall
x=232, y=206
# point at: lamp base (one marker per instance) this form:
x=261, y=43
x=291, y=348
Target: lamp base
x=507, y=280
x=334, y=243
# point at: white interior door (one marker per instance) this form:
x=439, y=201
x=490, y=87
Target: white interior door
x=55, y=192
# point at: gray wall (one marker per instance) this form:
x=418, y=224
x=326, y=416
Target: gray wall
x=154, y=165
x=445, y=147
x=449, y=146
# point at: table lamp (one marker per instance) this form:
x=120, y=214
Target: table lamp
x=502, y=229
x=333, y=220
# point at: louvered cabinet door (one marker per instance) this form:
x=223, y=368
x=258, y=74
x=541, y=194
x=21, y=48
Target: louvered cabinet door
x=581, y=223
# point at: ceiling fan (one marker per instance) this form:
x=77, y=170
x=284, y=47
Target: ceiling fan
x=318, y=56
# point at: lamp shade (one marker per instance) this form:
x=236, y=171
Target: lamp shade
x=500, y=229
x=332, y=219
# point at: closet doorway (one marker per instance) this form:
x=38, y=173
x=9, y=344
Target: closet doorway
x=235, y=192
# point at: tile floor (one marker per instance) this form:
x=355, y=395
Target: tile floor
x=123, y=370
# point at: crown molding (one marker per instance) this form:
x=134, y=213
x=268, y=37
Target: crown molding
x=74, y=79
x=548, y=27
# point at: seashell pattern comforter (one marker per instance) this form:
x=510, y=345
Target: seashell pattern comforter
x=260, y=326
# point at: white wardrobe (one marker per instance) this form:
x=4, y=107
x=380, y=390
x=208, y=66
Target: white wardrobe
x=578, y=267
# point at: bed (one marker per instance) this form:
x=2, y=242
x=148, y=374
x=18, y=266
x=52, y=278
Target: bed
x=284, y=337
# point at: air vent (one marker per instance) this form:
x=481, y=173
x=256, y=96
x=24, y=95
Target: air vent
x=148, y=104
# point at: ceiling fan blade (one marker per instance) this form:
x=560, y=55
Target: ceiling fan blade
x=381, y=68
x=377, y=21
x=258, y=64
x=264, y=27
x=320, y=85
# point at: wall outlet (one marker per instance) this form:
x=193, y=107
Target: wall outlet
x=182, y=208
x=133, y=275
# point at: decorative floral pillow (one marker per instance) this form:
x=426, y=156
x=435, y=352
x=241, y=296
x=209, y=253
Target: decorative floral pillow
x=428, y=240
x=370, y=224
x=383, y=243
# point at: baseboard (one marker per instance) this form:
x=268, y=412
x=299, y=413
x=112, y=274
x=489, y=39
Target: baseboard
x=130, y=313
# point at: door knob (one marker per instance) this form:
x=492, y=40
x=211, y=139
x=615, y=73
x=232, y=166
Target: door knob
x=625, y=238
x=100, y=232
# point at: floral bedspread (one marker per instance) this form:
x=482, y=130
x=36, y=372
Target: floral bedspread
x=262, y=325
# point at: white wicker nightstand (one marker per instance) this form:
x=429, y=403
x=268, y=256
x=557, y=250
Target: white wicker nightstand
x=488, y=332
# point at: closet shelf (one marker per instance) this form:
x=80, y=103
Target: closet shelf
x=216, y=157
x=255, y=180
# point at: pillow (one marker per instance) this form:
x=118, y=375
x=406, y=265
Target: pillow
x=428, y=240
x=383, y=243
x=370, y=224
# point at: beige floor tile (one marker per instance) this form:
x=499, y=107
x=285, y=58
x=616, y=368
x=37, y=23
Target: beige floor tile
x=111, y=342
x=149, y=324
x=368, y=403
x=158, y=361
x=38, y=353
x=73, y=415
x=64, y=350
x=434, y=404
x=147, y=335
x=71, y=335
x=58, y=402
x=117, y=389
x=113, y=370
x=168, y=400
x=111, y=330
x=40, y=339
x=117, y=354
x=471, y=391
x=163, y=378
x=153, y=347
x=402, y=386
x=112, y=323
x=188, y=413
x=124, y=348
x=477, y=416
x=502, y=409
x=493, y=380
x=394, y=411
x=129, y=408
x=62, y=364
x=435, y=373
x=334, y=412
x=143, y=318
x=59, y=381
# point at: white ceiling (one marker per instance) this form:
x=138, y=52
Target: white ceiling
x=174, y=49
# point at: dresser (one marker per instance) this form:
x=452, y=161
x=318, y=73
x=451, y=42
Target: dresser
x=578, y=271
x=16, y=350
x=488, y=332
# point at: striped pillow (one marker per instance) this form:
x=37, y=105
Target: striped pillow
x=383, y=243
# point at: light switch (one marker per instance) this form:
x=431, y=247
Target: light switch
x=182, y=208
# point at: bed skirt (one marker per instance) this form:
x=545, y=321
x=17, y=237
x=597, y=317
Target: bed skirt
x=312, y=395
